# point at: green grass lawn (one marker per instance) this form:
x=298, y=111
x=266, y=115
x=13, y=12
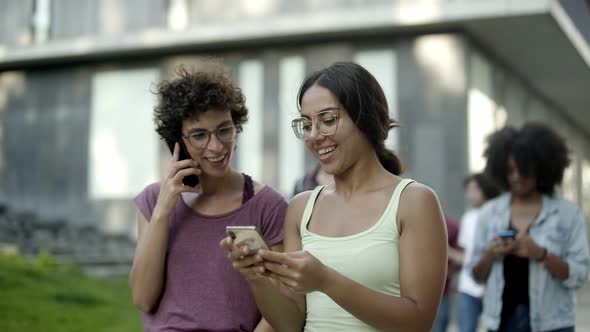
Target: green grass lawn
x=39, y=295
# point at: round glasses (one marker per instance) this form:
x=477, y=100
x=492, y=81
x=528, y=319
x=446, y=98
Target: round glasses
x=326, y=122
x=200, y=138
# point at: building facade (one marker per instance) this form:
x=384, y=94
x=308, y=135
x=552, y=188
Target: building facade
x=77, y=139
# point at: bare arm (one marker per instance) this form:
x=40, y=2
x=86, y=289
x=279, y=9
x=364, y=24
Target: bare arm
x=284, y=309
x=482, y=268
x=281, y=308
x=456, y=255
x=423, y=262
x=147, y=273
x=263, y=326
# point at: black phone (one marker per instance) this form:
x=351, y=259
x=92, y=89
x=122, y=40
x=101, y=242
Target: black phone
x=191, y=180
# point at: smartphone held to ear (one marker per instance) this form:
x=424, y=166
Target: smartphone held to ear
x=246, y=236
x=191, y=180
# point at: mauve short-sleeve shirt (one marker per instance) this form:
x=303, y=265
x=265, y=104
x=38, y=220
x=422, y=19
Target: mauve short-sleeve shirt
x=202, y=292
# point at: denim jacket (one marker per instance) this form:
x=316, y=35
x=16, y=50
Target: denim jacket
x=560, y=228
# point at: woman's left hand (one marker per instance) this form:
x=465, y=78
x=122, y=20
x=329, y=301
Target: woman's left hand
x=526, y=247
x=299, y=270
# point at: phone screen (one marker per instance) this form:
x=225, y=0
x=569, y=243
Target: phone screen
x=191, y=180
x=507, y=234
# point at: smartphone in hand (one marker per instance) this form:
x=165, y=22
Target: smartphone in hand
x=247, y=236
x=191, y=180
x=507, y=234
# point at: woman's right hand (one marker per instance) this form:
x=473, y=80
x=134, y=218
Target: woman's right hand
x=499, y=248
x=171, y=186
x=243, y=260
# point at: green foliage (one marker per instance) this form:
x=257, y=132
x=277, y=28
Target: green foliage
x=41, y=295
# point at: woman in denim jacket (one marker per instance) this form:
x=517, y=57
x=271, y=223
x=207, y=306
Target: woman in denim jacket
x=531, y=275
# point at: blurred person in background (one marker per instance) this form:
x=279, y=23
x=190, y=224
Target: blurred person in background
x=317, y=177
x=359, y=255
x=478, y=188
x=444, y=311
x=531, y=246
x=180, y=280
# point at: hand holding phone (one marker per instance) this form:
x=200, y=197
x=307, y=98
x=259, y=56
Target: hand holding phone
x=507, y=234
x=242, y=244
x=248, y=236
x=191, y=180
x=171, y=186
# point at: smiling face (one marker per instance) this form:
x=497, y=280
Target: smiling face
x=338, y=152
x=215, y=157
x=519, y=185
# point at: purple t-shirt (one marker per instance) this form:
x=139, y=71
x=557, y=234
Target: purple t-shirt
x=453, y=235
x=202, y=291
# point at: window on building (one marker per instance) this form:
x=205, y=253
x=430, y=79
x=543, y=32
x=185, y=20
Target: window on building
x=291, y=150
x=250, y=144
x=123, y=144
x=41, y=21
x=177, y=14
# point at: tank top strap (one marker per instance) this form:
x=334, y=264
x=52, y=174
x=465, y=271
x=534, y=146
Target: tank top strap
x=398, y=193
x=309, y=209
x=390, y=213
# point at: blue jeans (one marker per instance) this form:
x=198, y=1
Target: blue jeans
x=517, y=320
x=442, y=317
x=468, y=312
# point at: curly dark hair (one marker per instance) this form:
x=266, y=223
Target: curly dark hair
x=358, y=91
x=538, y=151
x=193, y=93
x=487, y=185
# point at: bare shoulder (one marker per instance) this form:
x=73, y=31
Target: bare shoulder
x=293, y=219
x=298, y=203
x=418, y=193
x=419, y=206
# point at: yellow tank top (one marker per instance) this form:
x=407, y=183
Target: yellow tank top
x=370, y=258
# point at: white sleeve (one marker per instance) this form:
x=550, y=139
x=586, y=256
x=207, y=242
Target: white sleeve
x=464, y=229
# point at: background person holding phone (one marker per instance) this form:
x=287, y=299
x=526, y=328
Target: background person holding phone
x=180, y=280
x=478, y=188
x=359, y=255
x=531, y=247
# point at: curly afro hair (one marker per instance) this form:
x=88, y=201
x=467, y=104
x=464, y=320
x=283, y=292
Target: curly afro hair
x=193, y=93
x=537, y=150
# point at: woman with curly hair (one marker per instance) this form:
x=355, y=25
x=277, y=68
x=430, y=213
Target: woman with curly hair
x=180, y=280
x=531, y=247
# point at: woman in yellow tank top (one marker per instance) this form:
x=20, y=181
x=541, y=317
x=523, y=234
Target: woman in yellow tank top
x=365, y=253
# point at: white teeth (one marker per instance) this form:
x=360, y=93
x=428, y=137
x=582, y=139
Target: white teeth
x=327, y=150
x=214, y=160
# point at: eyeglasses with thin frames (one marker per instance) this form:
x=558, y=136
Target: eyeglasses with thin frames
x=200, y=138
x=326, y=122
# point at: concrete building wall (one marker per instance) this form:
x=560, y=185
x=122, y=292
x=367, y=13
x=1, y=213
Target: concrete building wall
x=447, y=92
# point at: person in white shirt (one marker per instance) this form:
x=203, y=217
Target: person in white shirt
x=478, y=189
